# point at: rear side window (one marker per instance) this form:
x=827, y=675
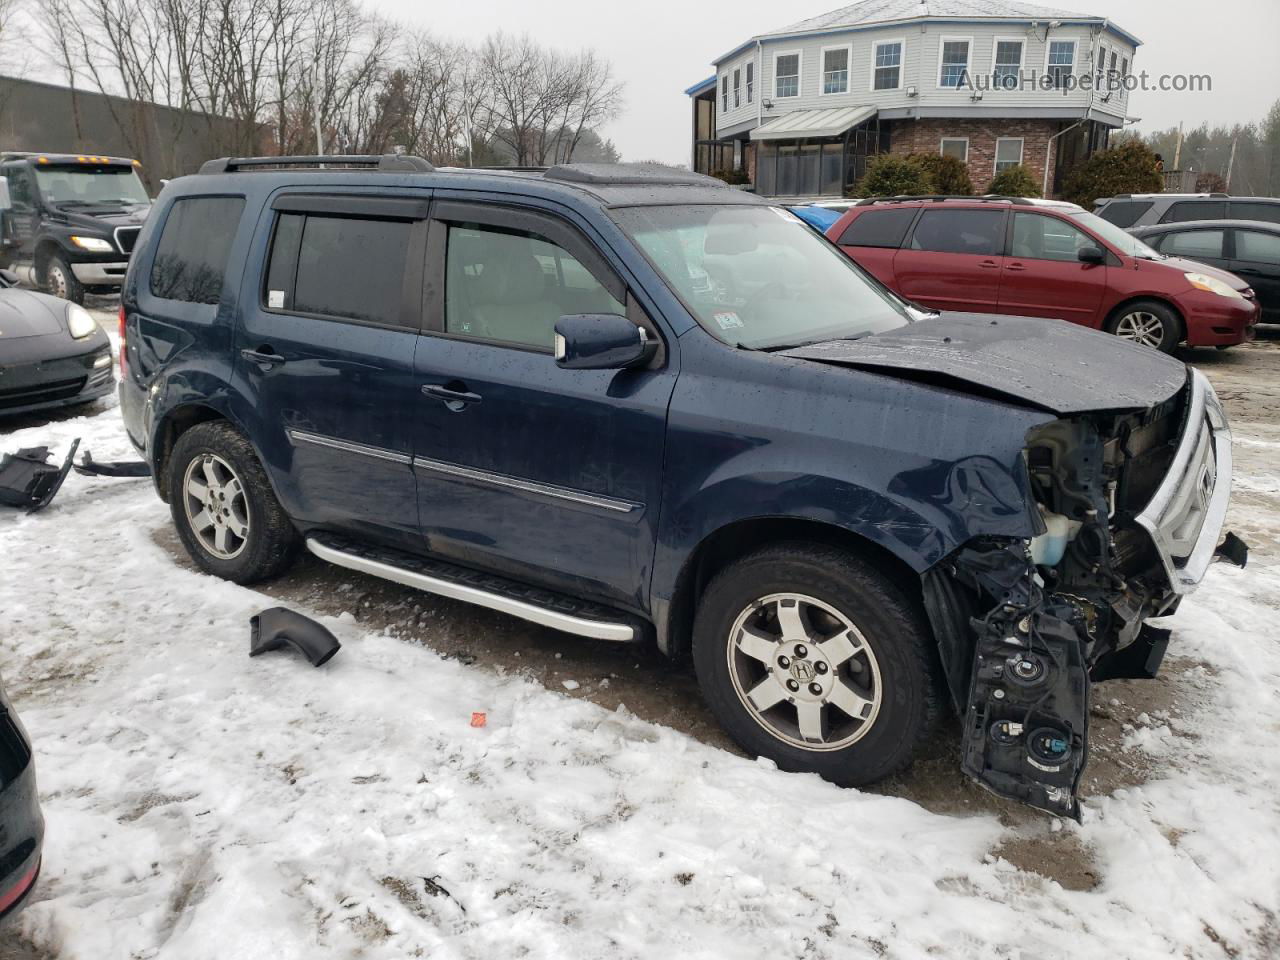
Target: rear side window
x=976, y=232
x=1186, y=210
x=1124, y=213
x=191, y=255
x=878, y=228
x=1258, y=247
x=1193, y=244
x=1255, y=210
x=346, y=267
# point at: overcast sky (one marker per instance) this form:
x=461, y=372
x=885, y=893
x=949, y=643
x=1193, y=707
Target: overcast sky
x=660, y=47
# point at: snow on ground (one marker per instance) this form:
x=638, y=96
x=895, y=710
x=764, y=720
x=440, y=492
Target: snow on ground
x=204, y=805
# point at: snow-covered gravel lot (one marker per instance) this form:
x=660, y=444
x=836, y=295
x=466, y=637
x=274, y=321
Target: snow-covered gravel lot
x=204, y=805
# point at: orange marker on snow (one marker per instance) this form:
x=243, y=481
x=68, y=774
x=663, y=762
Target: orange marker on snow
x=479, y=719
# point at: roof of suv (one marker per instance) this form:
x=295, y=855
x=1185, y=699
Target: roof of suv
x=610, y=185
x=1060, y=205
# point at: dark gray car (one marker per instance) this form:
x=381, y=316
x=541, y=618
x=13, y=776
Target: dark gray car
x=1248, y=248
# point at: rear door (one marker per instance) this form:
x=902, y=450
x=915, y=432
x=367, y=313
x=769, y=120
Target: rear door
x=547, y=475
x=330, y=314
x=873, y=237
x=953, y=259
x=1256, y=259
x=1207, y=245
x=1043, y=276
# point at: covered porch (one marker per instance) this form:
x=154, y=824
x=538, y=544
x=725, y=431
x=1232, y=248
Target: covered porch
x=815, y=153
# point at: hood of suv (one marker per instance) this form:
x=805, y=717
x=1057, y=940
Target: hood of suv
x=1049, y=364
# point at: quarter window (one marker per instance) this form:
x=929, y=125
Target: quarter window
x=878, y=228
x=975, y=232
x=1062, y=60
x=955, y=63
x=1258, y=247
x=888, y=65
x=835, y=70
x=1124, y=213
x=1008, y=153
x=957, y=147
x=786, y=75
x=191, y=255
x=1194, y=243
x=511, y=287
x=1007, y=68
x=344, y=267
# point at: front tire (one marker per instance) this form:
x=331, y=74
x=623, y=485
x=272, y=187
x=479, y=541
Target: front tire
x=60, y=281
x=224, y=508
x=811, y=658
x=1148, y=323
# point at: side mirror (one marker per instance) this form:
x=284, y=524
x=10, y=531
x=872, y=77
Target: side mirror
x=601, y=341
x=6, y=202
x=1091, y=255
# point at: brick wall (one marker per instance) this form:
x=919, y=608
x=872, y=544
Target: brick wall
x=925, y=136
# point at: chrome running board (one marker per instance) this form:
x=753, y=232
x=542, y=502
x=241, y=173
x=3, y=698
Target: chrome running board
x=542, y=607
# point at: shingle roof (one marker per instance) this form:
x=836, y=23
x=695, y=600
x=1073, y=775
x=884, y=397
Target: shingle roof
x=882, y=11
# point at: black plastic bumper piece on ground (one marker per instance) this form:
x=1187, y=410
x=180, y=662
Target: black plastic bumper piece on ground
x=28, y=480
x=1140, y=660
x=277, y=627
x=1233, y=550
x=90, y=467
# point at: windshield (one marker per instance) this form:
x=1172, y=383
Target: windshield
x=1126, y=243
x=758, y=277
x=90, y=185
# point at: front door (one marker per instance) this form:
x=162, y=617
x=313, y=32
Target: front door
x=952, y=260
x=325, y=349
x=1256, y=260
x=546, y=475
x=1043, y=275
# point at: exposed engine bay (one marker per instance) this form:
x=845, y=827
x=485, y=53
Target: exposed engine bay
x=1130, y=506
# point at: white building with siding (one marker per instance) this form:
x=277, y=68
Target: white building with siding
x=993, y=82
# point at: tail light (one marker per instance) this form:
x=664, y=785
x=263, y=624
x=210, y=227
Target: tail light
x=124, y=349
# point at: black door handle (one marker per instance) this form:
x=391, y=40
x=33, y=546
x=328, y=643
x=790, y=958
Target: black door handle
x=454, y=395
x=263, y=356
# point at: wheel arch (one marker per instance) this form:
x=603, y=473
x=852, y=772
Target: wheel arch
x=1164, y=301
x=740, y=537
x=173, y=425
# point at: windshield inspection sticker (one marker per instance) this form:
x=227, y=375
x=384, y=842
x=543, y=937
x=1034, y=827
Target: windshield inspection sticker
x=728, y=320
x=275, y=298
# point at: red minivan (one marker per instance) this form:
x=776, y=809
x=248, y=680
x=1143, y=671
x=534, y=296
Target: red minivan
x=1042, y=258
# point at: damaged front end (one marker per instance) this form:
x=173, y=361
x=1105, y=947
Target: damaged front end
x=1129, y=509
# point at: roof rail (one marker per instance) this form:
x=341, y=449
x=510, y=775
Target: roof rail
x=628, y=174
x=391, y=162
x=939, y=197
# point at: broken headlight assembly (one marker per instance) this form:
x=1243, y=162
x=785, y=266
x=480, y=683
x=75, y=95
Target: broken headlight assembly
x=1025, y=627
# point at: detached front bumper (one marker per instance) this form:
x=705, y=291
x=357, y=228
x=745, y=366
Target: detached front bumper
x=1188, y=510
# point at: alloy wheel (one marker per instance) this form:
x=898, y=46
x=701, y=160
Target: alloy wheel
x=1142, y=327
x=216, y=506
x=804, y=671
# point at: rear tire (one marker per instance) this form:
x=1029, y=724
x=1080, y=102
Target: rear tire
x=60, y=281
x=810, y=657
x=1148, y=323
x=224, y=508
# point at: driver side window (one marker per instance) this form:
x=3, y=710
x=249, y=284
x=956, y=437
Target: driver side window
x=510, y=286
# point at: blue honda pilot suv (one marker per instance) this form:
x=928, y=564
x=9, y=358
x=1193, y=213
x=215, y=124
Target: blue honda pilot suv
x=634, y=404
